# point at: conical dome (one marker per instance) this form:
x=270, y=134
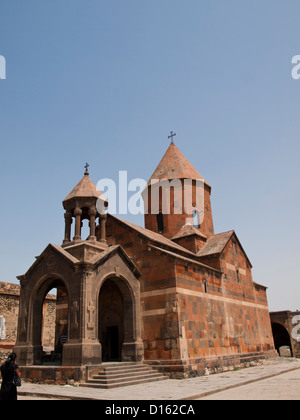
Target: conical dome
x=167, y=210
x=85, y=188
x=174, y=165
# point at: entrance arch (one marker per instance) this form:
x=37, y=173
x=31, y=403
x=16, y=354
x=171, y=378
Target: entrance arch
x=37, y=320
x=281, y=336
x=117, y=323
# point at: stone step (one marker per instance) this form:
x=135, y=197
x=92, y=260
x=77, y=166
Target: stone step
x=123, y=383
x=122, y=374
x=120, y=364
x=110, y=368
x=113, y=375
x=124, y=379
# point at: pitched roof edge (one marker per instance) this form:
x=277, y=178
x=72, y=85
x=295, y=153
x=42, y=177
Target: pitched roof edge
x=240, y=245
x=189, y=260
x=57, y=248
x=112, y=250
x=143, y=232
x=232, y=233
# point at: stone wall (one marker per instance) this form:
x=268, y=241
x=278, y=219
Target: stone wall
x=196, y=317
x=9, y=312
x=286, y=330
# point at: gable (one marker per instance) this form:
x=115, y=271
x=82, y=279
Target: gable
x=234, y=247
x=110, y=253
x=52, y=256
x=217, y=244
x=151, y=236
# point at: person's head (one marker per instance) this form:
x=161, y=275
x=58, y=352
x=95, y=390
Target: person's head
x=12, y=357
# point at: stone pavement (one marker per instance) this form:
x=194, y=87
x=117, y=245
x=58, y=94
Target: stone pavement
x=279, y=377
x=282, y=387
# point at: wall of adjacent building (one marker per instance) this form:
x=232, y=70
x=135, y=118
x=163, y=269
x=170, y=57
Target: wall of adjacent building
x=9, y=312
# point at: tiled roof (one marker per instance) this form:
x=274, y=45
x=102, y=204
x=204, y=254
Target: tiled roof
x=215, y=244
x=174, y=165
x=188, y=260
x=188, y=230
x=156, y=237
x=85, y=188
x=113, y=250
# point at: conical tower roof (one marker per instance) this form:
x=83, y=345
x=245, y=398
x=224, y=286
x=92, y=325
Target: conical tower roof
x=174, y=165
x=85, y=188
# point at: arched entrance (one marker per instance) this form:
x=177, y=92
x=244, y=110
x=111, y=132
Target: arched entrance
x=281, y=336
x=46, y=323
x=116, y=327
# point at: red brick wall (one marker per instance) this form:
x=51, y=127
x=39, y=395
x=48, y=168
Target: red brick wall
x=174, y=222
x=160, y=324
x=232, y=317
x=182, y=319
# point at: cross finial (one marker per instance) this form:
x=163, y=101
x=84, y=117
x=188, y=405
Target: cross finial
x=171, y=136
x=86, y=169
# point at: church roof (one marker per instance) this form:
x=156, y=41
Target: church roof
x=188, y=230
x=85, y=188
x=112, y=250
x=215, y=244
x=174, y=249
x=153, y=236
x=174, y=165
x=184, y=258
x=47, y=251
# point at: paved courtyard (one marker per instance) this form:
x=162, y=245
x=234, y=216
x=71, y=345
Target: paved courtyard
x=277, y=379
x=282, y=387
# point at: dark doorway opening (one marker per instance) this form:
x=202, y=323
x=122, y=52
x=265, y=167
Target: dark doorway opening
x=117, y=326
x=49, y=322
x=113, y=344
x=111, y=321
x=55, y=325
x=281, y=337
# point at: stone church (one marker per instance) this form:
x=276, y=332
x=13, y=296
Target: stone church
x=173, y=295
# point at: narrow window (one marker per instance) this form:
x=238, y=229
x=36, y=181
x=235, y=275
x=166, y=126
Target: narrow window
x=205, y=285
x=160, y=222
x=238, y=276
x=196, y=219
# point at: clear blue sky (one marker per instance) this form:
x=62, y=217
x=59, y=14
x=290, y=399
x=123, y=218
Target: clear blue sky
x=104, y=82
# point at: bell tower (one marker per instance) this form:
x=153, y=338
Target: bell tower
x=177, y=195
x=85, y=202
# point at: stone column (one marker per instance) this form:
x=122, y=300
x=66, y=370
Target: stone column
x=102, y=218
x=92, y=214
x=68, y=222
x=77, y=214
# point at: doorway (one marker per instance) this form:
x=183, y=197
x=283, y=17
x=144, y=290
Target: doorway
x=113, y=344
x=118, y=327
x=49, y=330
x=281, y=337
x=111, y=321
